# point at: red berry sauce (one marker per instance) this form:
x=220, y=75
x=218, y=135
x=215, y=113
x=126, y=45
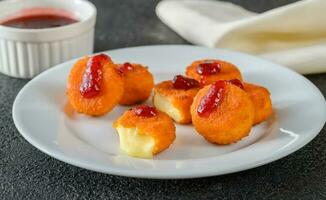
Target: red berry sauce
x=125, y=67
x=212, y=99
x=236, y=82
x=145, y=111
x=39, y=21
x=91, y=83
x=182, y=82
x=208, y=68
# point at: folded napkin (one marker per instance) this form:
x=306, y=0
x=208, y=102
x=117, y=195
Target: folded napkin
x=292, y=35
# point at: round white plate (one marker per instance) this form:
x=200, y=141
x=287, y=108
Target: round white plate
x=92, y=143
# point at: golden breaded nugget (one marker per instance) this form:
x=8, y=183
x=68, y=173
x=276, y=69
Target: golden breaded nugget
x=95, y=85
x=175, y=98
x=209, y=71
x=222, y=113
x=262, y=101
x=144, y=131
x=138, y=83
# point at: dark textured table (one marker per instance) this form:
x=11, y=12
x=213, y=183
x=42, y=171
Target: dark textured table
x=26, y=173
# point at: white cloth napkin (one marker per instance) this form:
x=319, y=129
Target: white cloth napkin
x=292, y=35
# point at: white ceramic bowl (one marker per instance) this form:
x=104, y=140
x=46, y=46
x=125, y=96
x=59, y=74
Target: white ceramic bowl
x=25, y=53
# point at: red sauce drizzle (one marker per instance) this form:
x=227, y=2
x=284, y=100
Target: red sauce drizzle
x=145, y=111
x=236, y=82
x=39, y=21
x=182, y=82
x=212, y=99
x=208, y=68
x=91, y=83
x=125, y=67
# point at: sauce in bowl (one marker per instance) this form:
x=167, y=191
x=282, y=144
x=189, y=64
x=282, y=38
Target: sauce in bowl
x=39, y=21
x=39, y=18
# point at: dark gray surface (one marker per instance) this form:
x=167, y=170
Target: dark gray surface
x=26, y=173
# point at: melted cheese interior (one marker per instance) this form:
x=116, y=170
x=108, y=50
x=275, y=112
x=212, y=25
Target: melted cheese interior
x=135, y=144
x=163, y=104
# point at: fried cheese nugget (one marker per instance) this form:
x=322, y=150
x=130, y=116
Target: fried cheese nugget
x=260, y=97
x=209, y=71
x=144, y=131
x=222, y=113
x=95, y=85
x=175, y=97
x=138, y=85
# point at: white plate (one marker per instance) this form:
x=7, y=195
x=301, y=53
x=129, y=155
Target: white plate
x=91, y=143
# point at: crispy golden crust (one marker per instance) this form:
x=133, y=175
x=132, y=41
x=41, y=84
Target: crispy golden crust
x=111, y=89
x=181, y=99
x=260, y=97
x=228, y=72
x=230, y=121
x=138, y=85
x=160, y=127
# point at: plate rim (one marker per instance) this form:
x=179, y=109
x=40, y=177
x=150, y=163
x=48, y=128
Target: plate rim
x=153, y=175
